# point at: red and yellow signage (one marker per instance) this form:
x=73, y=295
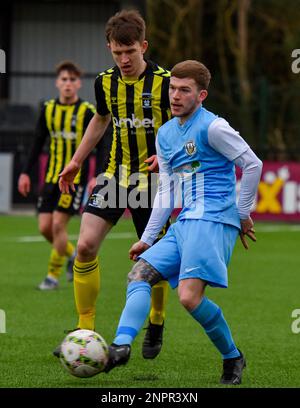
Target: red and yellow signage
x=278, y=197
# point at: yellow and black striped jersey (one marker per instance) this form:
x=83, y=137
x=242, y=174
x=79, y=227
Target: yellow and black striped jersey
x=138, y=108
x=64, y=126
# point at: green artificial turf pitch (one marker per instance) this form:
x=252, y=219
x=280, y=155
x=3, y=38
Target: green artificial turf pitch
x=264, y=289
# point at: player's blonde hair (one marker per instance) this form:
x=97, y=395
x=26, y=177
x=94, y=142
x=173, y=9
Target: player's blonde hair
x=192, y=69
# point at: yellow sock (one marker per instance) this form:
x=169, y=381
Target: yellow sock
x=70, y=249
x=158, y=302
x=55, y=264
x=86, y=289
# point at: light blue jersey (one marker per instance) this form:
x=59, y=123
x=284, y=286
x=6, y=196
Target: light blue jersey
x=201, y=154
x=206, y=177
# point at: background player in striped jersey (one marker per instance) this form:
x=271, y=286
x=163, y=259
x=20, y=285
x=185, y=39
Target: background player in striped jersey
x=63, y=121
x=134, y=93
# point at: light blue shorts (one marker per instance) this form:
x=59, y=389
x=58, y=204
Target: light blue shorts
x=194, y=249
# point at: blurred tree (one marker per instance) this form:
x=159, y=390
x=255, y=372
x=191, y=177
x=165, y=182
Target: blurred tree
x=247, y=45
x=175, y=29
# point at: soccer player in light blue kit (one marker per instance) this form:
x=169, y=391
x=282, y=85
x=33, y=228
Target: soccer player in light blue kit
x=197, y=151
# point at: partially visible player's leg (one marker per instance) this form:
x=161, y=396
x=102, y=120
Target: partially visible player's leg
x=54, y=264
x=163, y=256
x=67, y=206
x=60, y=243
x=154, y=335
x=45, y=207
x=158, y=303
x=60, y=233
x=86, y=268
x=54, y=226
x=61, y=207
x=71, y=255
x=153, y=339
x=45, y=226
x=211, y=318
x=208, y=266
x=93, y=230
x=208, y=314
x=138, y=299
x=97, y=220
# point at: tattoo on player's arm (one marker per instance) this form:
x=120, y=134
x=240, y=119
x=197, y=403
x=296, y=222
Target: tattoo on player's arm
x=142, y=271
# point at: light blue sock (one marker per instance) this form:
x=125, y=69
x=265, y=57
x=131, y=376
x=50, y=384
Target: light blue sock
x=134, y=314
x=211, y=318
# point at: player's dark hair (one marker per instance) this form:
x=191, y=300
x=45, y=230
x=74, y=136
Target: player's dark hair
x=193, y=69
x=126, y=27
x=70, y=67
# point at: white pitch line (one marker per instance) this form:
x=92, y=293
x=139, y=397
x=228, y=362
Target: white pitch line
x=39, y=238
x=128, y=235
x=277, y=228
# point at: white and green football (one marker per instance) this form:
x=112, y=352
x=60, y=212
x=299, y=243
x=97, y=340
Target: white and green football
x=84, y=353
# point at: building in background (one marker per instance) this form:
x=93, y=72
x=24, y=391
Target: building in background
x=35, y=36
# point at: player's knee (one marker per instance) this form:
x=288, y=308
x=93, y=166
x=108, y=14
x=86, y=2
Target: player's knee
x=46, y=230
x=188, y=300
x=86, y=250
x=57, y=227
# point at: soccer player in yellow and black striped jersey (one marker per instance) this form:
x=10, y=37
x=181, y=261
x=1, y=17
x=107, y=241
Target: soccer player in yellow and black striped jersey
x=62, y=123
x=134, y=95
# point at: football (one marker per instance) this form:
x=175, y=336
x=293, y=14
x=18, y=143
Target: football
x=84, y=353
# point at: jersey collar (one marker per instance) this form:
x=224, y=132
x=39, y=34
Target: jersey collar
x=148, y=70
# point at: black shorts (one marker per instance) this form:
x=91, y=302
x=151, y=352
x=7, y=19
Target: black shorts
x=110, y=205
x=51, y=199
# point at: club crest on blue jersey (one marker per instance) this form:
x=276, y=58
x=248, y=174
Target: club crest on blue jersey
x=190, y=148
x=146, y=100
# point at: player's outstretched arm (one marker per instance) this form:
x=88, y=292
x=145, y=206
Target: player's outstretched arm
x=24, y=184
x=136, y=249
x=247, y=230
